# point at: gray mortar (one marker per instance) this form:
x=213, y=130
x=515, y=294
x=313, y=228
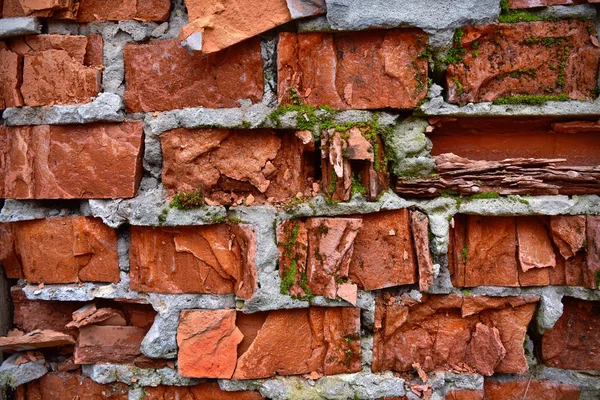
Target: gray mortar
x=123, y=241
x=161, y=339
x=570, y=11
x=24, y=210
x=268, y=50
x=151, y=202
x=550, y=310
x=12, y=375
x=317, y=24
x=107, y=107
x=10, y=27
x=409, y=149
x=355, y=15
x=437, y=106
x=134, y=376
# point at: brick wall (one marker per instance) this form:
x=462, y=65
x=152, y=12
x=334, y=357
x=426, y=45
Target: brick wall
x=299, y=199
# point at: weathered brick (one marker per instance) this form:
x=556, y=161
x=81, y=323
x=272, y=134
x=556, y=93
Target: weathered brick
x=374, y=69
x=162, y=75
x=38, y=8
x=208, y=390
x=321, y=256
x=229, y=165
x=574, y=340
x=440, y=332
x=544, y=3
x=60, y=385
x=63, y=250
x=117, y=10
x=196, y=259
x=11, y=78
x=533, y=58
x=500, y=251
x=221, y=25
x=39, y=162
x=463, y=394
x=110, y=344
x=529, y=389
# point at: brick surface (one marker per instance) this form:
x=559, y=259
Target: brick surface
x=110, y=344
x=574, y=341
x=39, y=162
x=534, y=389
x=229, y=165
x=200, y=259
x=210, y=391
x=534, y=58
x=115, y=10
x=543, y=3
x=440, y=332
x=59, y=385
x=162, y=75
x=11, y=77
x=360, y=70
x=63, y=250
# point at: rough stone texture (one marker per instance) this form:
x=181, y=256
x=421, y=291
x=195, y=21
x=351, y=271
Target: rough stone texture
x=292, y=342
x=383, y=253
x=535, y=248
x=61, y=250
x=426, y=14
x=574, y=342
x=529, y=389
x=40, y=8
x=38, y=161
x=13, y=374
x=11, y=27
x=216, y=26
x=208, y=343
x=198, y=392
x=568, y=234
x=153, y=10
x=230, y=165
x=11, y=78
x=35, y=340
x=558, y=57
x=181, y=80
x=196, y=259
x=420, y=229
x=441, y=332
x=58, y=385
x=375, y=69
x=591, y=275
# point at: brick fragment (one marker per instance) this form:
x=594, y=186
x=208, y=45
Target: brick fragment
x=439, y=332
x=229, y=165
x=161, y=75
x=208, y=390
x=64, y=250
x=35, y=340
x=37, y=8
x=529, y=389
x=463, y=394
x=574, y=341
x=110, y=344
x=420, y=229
x=592, y=273
x=364, y=70
x=200, y=259
x=118, y=10
x=568, y=233
x=11, y=78
x=59, y=385
x=514, y=4
x=554, y=58
x=39, y=162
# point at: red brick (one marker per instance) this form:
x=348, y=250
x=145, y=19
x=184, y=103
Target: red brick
x=437, y=332
x=293, y=342
x=208, y=341
x=229, y=165
x=384, y=254
x=39, y=161
x=365, y=70
x=38, y=8
x=118, y=10
x=543, y=3
x=225, y=24
x=196, y=259
x=504, y=63
x=11, y=78
x=65, y=250
x=529, y=389
x=208, y=391
x=161, y=75
x=110, y=344
x=59, y=385
x=592, y=275
x=465, y=395
x=34, y=341
x=420, y=230
x=574, y=341
x=486, y=139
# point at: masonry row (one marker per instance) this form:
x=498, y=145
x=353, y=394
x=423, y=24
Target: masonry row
x=349, y=70
x=258, y=166
x=459, y=333
x=330, y=257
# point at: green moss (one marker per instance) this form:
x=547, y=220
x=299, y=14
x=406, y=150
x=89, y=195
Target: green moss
x=236, y=220
x=465, y=252
x=459, y=86
x=289, y=279
x=521, y=72
x=333, y=183
x=456, y=53
x=357, y=186
x=485, y=195
x=188, y=200
x=560, y=81
x=246, y=124
x=530, y=99
x=162, y=217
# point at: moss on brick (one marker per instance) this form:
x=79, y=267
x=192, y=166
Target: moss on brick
x=530, y=99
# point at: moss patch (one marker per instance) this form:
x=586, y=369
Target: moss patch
x=188, y=200
x=530, y=99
